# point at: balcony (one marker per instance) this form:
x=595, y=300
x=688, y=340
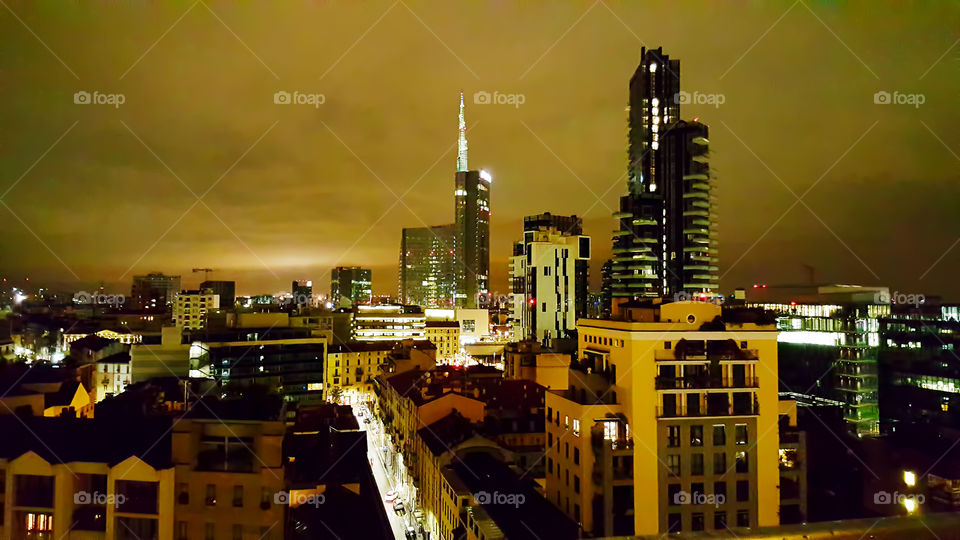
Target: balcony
x=705, y=382
x=729, y=410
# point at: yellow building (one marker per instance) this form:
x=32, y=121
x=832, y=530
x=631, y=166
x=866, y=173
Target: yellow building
x=666, y=426
x=190, y=309
x=446, y=336
x=350, y=368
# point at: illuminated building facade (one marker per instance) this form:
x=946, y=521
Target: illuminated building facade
x=351, y=367
x=191, y=308
x=350, y=285
x=544, y=277
x=569, y=226
x=387, y=322
x=663, y=426
x=428, y=269
x=302, y=291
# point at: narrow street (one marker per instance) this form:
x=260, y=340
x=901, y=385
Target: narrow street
x=380, y=474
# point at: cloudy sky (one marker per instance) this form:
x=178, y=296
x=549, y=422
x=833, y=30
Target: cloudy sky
x=198, y=167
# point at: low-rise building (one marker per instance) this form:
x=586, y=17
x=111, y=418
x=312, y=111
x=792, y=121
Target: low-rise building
x=446, y=336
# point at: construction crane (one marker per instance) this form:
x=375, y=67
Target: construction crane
x=206, y=272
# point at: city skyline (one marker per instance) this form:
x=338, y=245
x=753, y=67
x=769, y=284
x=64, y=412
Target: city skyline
x=123, y=181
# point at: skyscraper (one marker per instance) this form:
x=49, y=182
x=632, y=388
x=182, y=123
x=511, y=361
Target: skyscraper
x=154, y=291
x=472, y=211
x=225, y=290
x=427, y=266
x=302, y=292
x=350, y=285
x=666, y=241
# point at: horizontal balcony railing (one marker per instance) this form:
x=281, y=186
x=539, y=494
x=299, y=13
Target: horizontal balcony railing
x=700, y=383
x=678, y=412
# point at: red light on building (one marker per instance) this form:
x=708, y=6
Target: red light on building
x=755, y=285
x=533, y=301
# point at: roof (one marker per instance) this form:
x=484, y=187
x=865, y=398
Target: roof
x=327, y=457
x=446, y=433
x=92, y=342
x=122, y=357
x=443, y=324
x=56, y=440
x=62, y=397
x=362, y=346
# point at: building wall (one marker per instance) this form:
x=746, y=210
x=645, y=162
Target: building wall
x=190, y=308
x=447, y=340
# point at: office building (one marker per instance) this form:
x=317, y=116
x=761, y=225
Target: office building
x=665, y=245
x=390, y=322
x=191, y=308
x=545, y=275
x=669, y=422
x=428, y=271
x=349, y=286
x=301, y=291
x=568, y=226
x=472, y=212
x=153, y=292
x=226, y=290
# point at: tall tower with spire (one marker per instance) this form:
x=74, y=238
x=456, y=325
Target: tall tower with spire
x=462, y=141
x=472, y=211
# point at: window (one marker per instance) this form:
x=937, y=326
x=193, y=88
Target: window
x=546, y=270
x=567, y=476
x=743, y=490
x=673, y=436
x=673, y=463
x=743, y=344
x=576, y=483
x=183, y=493
x=550, y=440
x=742, y=465
x=549, y=414
x=696, y=435
x=696, y=521
x=576, y=513
x=720, y=463
x=576, y=456
x=550, y=465
x=566, y=421
x=208, y=531
x=544, y=308
x=719, y=435
x=720, y=520
x=696, y=464
x=238, y=496
x=566, y=450
x=720, y=490
x=211, y=499
x=743, y=518
x=674, y=522
x=673, y=494
x=696, y=491
x=666, y=345
x=741, y=432
x=576, y=427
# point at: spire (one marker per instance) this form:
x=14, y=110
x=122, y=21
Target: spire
x=462, y=141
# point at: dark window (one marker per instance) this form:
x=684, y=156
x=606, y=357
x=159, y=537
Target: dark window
x=696, y=521
x=576, y=456
x=720, y=489
x=238, y=496
x=743, y=490
x=720, y=463
x=743, y=518
x=696, y=435
x=666, y=345
x=576, y=484
x=741, y=434
x=696, y=464
x=673, y=491
x=720, y=520
x=675, y=523
x=719, y=435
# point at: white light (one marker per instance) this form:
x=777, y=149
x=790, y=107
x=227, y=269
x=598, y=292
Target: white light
x=485, y=176
x=910, y=504
x=909, y=478
x=653, y=68
x=655, y=102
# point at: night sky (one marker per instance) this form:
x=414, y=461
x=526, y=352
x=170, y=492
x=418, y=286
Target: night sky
x=99, y=193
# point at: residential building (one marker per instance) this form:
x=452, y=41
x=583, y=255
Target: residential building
x=350, y=368
x=225, y=290
x=544, y=273
x=153, y=292
x=113, y=375
x=428, y=269
x=528, y=360
x=301, y=292
x=350, y=285
x=446, y=336
x=191, y=308
x=390, y=322
x=568, y=226
x=664, y=425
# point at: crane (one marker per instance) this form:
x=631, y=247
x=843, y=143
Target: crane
x=206, y=272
